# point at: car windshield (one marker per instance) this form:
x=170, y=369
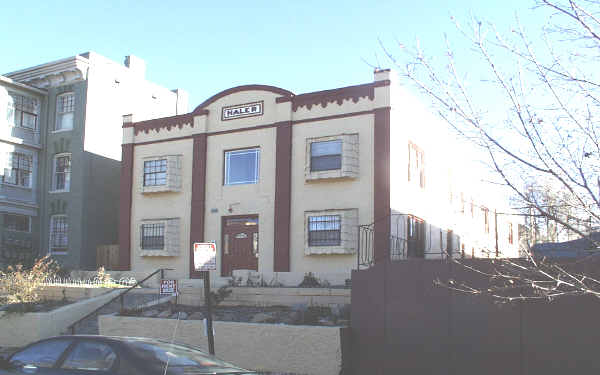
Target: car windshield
x=181, y=359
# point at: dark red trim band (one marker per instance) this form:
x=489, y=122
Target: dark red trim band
x=126, y=184
x=198, y=205
x=233, y=90
x=283, y=198
x=266, y=126
x=381, y=184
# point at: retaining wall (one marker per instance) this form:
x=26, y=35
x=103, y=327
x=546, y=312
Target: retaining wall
x=21, y=329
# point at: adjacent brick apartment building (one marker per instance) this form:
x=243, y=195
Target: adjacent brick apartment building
x=281, y=182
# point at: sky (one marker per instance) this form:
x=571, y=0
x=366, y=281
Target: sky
x=204, y=48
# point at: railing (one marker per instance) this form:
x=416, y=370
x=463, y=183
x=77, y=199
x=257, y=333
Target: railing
x=400, y=247
x=120, y=296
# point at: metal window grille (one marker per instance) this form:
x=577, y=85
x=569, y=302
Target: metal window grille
x=324, y=230
x=59, y=236
x=62, y=172
x=18, y=223
x=155, y=172
x=20, y=169
x=326, y=155
x=153, y=236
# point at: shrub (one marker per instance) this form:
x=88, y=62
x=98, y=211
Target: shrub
x=19, y=284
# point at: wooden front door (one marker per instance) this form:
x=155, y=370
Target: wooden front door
x=240, y=244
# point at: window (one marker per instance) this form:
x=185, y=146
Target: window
x=59, y=234
x=153, y=236
x=449, y=242
x=160, y=237
x=19, y=169
x=510, y=233
x=241, y=167
x=65, y=107
x=332, y=157
x=43, y=355
x=415, y=237
x=331, y=231
x=486, y=219
x=62, y=172
x=324, y=230
x=23, y=111
x=18, y=223
x=90, y=356
x=326, y=156
x=416, y=164
x=155, y=172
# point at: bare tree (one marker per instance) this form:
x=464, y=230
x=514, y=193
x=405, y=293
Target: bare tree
x=532, y=103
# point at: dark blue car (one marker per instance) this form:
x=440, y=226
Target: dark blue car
x=102, y=355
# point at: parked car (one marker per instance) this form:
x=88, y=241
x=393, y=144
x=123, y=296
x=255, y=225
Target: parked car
x=78, y=355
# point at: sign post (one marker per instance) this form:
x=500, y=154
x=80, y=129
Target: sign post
x=205, y=260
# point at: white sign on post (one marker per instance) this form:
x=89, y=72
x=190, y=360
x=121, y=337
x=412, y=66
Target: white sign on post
x=205, y=256
x=168, y=287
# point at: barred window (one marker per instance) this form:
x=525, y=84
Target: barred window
x=155, y=172
x=153, y=236
x=19, y=169
x=15, y=222
x=65, y=107
x=59, y=236
x=62, y=172
x=23, y=111
x=326, y=156
x=324, y=230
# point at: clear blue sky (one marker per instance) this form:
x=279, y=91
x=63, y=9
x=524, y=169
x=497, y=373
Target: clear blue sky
x=204, y=48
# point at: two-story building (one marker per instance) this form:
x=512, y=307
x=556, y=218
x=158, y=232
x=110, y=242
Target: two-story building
x=78, y=143
x=281, y=182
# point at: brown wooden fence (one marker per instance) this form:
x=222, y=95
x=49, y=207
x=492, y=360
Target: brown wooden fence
x=403, y=324
x=107, y=256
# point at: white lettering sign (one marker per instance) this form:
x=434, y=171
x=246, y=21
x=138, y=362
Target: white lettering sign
x=242, y=110
x=168, y=287
x=205, y=256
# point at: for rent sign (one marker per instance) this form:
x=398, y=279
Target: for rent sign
x=242, y=110
x=168, y=287
x=205, y=256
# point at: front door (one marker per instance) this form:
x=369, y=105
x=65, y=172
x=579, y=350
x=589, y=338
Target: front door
x=240, y=244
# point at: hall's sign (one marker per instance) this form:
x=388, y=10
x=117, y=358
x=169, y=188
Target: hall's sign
x=242, y=110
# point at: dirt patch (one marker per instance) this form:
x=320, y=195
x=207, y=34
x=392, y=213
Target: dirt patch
x=297, y=315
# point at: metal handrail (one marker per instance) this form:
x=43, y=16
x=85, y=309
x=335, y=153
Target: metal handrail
x=161, y=270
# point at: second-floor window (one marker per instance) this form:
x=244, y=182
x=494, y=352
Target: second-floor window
x=416, y=164
x=326, y=156
x=155, y=172
x=62, y=172
x=65, y=108
x=23, y=111
x=19, y=169
x=241, y=166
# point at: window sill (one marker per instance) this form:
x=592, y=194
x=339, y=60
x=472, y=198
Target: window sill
x=58, y=252
x=156, y=253
x=61, y=130
x=33, y=131
x=58, y=191
x=328, y=250
x=16, y=186
x=18, y=231
x=159, y=189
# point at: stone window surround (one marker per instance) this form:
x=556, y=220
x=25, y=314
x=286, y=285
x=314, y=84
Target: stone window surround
x=350, y=158
x=174, y=167
x=171, y=243
x=349, y=232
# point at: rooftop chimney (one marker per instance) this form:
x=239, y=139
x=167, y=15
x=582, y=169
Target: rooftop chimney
x=136, y=65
